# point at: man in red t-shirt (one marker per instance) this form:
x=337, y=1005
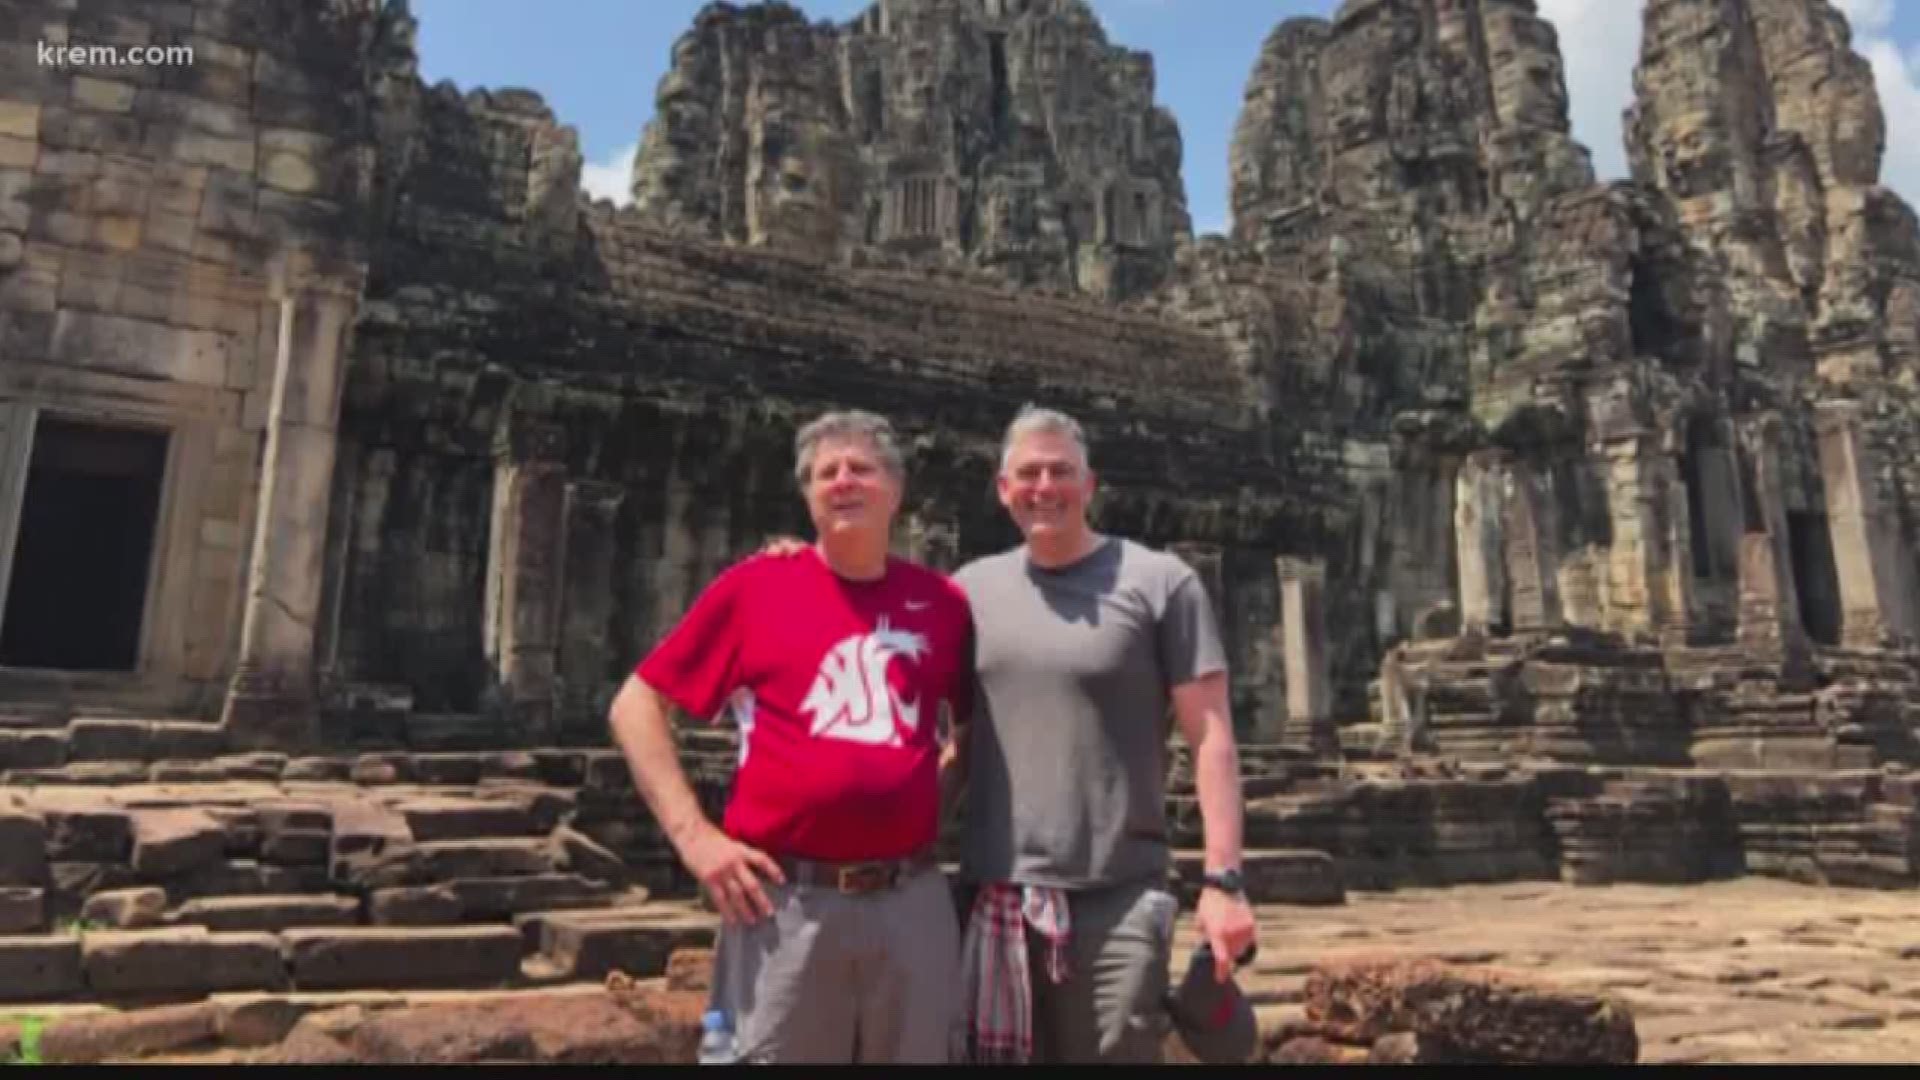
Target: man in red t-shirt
x=840, y=940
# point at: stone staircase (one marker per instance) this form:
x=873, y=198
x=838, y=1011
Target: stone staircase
x=175, y=879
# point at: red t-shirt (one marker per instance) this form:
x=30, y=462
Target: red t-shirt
x=836, y=687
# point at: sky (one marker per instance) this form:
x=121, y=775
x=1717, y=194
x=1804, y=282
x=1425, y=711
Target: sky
x=598, y=62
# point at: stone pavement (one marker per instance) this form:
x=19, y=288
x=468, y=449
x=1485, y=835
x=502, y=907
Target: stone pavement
x=1749, y=970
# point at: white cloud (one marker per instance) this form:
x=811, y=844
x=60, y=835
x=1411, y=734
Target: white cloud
x=1898, y=78
x=1867, y=16
x=608, y=177
x=1600, y=42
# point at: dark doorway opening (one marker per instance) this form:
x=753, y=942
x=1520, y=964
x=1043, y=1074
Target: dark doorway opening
x=82, y=557
x=1815, y=577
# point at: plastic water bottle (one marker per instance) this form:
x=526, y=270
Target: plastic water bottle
x=716, y=1039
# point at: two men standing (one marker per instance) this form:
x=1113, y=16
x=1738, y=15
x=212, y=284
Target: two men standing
x=1061, y=661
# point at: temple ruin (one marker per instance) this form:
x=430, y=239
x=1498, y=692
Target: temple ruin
x=350, y=456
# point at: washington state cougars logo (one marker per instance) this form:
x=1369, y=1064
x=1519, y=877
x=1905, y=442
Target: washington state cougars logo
x=851, y=699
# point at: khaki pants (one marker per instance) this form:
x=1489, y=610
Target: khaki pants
x=836, y=978
x=1109, y=1010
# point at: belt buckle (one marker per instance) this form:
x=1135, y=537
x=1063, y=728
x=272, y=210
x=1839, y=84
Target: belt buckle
x=865, y=877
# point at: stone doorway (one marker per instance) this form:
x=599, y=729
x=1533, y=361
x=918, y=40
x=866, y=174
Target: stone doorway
x=1815, y=576
x=82, y=556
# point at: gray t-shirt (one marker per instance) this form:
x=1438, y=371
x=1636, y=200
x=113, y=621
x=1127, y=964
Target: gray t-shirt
x=1075, y=668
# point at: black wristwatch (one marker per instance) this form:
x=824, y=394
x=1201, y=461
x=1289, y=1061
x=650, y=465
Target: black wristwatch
x=1227, y=881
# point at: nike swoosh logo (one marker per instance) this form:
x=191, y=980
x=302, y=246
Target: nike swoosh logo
x=919, y=605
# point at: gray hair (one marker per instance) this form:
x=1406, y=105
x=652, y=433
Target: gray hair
x=843, y=426
x=1035, y=420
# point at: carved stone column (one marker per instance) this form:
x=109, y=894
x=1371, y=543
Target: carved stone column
x=271, y=700
x=585, y=658
x=1532, y=551
x=1310, y=720
x=1649, y=576
x=1769, y=612
x=1479, y=522
x=1867, y=552
x=526, y=566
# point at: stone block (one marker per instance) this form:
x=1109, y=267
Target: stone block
x=180, y=960
x=74, y=882
x=171, y=232
x=247, y=877
x=129, y=1035
x=690, y=969
x=141, y=349
x=32, y=749
x=268, y=913
x=199, y=148
x=18, y=153
x=495, y=898
x=296, y=848
x=227, y=204
x=259, y=765
x=126, y=909
x=465, y=819
x=589, y=944
x=89, y=834
x=81, y=129
x=22, y=910
x=259, y=1021
x=513, y=765
x=103, y=739
x=580, y=854
x=461, y=769
x=102, y=94
x=448, y=859
x=39, y=968
x=292, y=816
x=67, y=165
x=414, y=957
x=185, y=741
x=562, y=768
x=167, y=842
x=317, y=768
x=290, y=172
x=85, y=286
x=178, y=189
x=433, y=905
x=19, y=119
x=116, y=232
x=373, y=769
x=23, y=849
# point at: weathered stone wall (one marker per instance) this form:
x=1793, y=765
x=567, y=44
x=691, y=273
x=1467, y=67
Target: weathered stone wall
x=657, y=379
x=152, y=218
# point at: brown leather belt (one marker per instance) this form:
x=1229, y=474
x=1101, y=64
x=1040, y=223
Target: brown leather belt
x=856, y=878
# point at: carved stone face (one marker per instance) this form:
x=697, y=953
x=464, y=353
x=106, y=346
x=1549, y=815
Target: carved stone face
x=793, y=190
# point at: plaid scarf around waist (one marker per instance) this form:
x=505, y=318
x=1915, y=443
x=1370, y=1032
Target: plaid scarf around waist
x=996, y=1018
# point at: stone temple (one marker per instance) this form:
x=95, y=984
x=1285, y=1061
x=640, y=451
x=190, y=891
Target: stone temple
x=350, y=455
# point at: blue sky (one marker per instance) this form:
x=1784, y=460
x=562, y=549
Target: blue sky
x=597, y=63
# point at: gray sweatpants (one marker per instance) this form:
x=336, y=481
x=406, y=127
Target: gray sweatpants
x=1109, y=1010
x=835, y=978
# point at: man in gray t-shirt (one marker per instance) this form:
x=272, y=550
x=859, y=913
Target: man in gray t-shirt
x=1088, y=648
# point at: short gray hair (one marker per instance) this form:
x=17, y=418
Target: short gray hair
x=843, y=426
x=1033, y=420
